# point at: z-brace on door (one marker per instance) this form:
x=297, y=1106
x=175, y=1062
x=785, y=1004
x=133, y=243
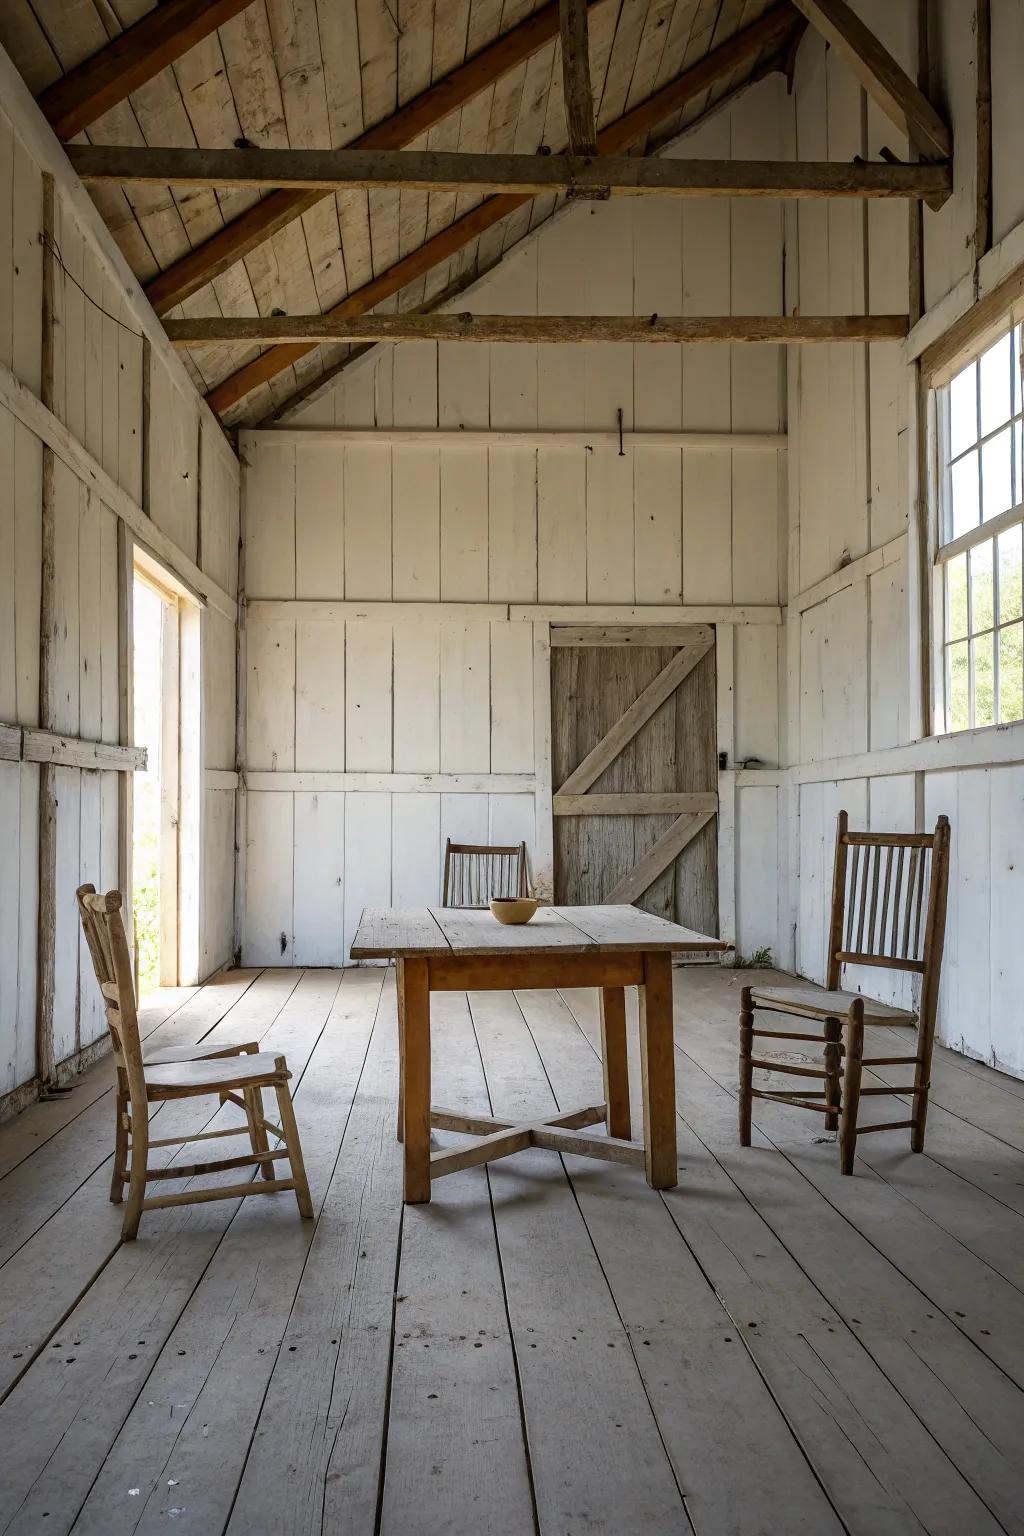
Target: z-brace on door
x=635, y=769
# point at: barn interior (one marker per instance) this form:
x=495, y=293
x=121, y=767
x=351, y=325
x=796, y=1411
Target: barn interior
x=594, y=431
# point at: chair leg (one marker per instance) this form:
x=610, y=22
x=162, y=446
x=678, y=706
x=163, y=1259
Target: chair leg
x=120, y=1147
x=833, y=1058
x=291, y=1141
x=922, y=1083
x=257, y=1130
x=746, y=1070
x=851, y=1086
x=137, y=1177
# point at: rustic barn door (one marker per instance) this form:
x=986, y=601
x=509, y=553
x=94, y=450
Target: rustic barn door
x=634, y=769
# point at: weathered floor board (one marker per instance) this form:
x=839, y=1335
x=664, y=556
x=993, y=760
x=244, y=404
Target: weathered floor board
x=549, y=1348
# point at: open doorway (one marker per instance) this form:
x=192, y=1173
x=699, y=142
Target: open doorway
x=167, y=797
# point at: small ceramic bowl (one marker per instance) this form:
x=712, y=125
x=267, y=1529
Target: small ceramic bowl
x=513, y=909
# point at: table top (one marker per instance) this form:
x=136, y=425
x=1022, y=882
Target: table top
x=395, y=932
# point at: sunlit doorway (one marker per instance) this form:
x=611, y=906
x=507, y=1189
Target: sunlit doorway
x=167, y=796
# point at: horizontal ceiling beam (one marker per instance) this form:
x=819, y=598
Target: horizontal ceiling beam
x=522, y=175
x=129, y=60
x=282, y=206
x=889, y=86
x=206, y=331
x=745, y=47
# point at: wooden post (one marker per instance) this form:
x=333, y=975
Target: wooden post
x=47, y=917
x=614, y=1059
x=833, y=969
x=657, y=1065
x=983, y=175
x=415, y=1013
x=577, y=94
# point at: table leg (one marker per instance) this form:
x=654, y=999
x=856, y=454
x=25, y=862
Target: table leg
x=400, y=976
x=657, y=1064
x=415, y=1015
x=613, y=1055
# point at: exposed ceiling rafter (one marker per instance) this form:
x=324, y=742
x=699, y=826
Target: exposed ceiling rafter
x=283, y=206
x=903, y=102
x=767, y=35
x=130, y=59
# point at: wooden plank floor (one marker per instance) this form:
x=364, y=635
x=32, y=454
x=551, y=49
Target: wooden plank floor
x=768, y=1350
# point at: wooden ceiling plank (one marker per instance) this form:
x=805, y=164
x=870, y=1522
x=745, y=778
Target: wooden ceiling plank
x=205, y=330
x=576, y=89
x=903, y=102
x=397, y=129
x=615, y=138
x=142, y=51
x=507, y=173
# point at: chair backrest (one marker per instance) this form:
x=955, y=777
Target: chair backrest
x=889, y=902
x=474, y=872
x=108, y=945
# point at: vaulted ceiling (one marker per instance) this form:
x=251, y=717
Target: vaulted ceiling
x=319, y=74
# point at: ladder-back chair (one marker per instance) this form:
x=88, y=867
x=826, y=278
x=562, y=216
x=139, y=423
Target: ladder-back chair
x=888, y=910
x=235, y=1074
x=474, y=872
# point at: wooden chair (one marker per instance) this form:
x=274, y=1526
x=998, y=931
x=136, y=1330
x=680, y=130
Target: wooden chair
x=234, y=1073
x=474, y=872
x=889, y=910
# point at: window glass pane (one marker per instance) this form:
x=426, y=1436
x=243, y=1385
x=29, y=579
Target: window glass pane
x=1016, y=370
x=964, y=485
x=956, y=598
x=963, y=410
x=1010, y=560
x=996, y=371
x=982, y=614
x=982, y=661
x=957, y=686
x=996, y=485
x=1018, y=463
x=1011, y=672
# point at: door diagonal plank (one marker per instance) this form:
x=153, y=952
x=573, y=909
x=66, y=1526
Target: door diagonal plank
x=636, y=716
x=682, y=831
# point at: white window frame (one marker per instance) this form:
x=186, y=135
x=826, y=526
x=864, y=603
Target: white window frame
x=947, y=548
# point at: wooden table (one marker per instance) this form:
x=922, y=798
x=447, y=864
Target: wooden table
x=446, y=949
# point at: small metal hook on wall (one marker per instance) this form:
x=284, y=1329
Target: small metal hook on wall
x=622, y=451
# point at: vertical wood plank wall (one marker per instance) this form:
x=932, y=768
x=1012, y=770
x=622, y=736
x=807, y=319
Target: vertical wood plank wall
x=510, y=525
x=852, y=687
x=99, y=361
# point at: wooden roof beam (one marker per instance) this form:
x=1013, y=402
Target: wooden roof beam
x=664, y=329
x=243, y=234
x=903, y=102
x=768, y=33
x=129, y=60
x=577, y=93
x=530, y=175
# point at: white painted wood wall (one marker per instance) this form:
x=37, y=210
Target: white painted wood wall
x=853, y=681
x=330, y=693
x=99, y=361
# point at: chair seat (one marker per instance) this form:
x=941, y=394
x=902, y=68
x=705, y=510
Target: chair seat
x=229, y=1072
x=812, y=1003
x=203, y=1052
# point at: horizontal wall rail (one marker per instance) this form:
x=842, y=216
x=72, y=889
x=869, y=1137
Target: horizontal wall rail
x=27, y=745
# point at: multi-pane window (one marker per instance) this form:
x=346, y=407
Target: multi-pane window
x=981, y=537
